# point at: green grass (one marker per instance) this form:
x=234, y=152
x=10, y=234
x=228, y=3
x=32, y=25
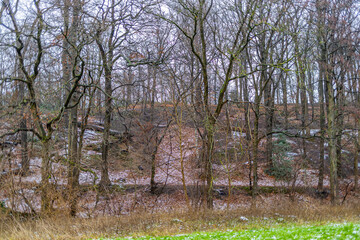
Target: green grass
x=330, y=231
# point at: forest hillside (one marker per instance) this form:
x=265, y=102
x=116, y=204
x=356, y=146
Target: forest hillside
x=110, y=108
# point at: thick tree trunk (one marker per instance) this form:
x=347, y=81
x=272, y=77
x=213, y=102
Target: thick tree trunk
x=332, y=131
x=25, y=161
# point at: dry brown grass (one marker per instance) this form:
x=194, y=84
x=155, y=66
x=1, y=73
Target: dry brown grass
x=143, y=223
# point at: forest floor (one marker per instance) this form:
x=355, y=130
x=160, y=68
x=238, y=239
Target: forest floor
x=130, y=168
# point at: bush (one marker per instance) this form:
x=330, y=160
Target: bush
x=282, y=167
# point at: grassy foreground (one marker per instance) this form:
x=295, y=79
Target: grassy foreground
x=331, y=231
x=285, y=220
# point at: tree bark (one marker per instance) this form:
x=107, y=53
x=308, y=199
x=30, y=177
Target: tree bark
x=71, y=63
x=25, y=161
x=45, y=176
x=105, y=180
x=322, y=123
x=331, y=132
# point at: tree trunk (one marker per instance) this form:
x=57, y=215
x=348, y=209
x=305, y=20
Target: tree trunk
x=209, y=149
x=74, y=161
x=153, y=164
x=269, y=121
x=322, y=126
x=105, y=180
x=266, y=82
x=247, y=125
x=179, y=123
x=45, y=176
x=300, y=76
x=255, y=143
x=25, y=161
x=356, y=157
x=332, y=131
x=297, y=98
x=107, y=63
x=65, y=58
x=340, y=120
x=311, y=94
x=285, y=101
x=129, y=87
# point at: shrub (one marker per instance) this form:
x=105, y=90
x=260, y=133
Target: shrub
x=282, y=167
